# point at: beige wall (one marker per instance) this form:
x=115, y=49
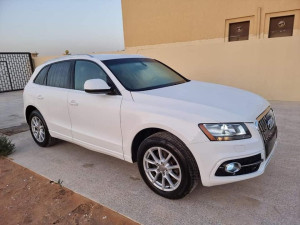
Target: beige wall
x=148, y=22
x=268, y=67
x=41, y=59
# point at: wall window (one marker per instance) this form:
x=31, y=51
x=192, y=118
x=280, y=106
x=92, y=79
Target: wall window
x=85, y=70
x=59, y=75
x=281, y=26
x=239, y=31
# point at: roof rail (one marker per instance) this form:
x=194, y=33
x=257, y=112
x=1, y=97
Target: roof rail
x=62, y=57
x=82, y=54
x=90, y=55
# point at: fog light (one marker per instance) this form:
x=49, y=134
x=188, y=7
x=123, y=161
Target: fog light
x=233, y=167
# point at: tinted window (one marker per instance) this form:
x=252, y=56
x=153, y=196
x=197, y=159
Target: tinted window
x=85, y=70
x=40, y=78
x=59, y=75
x=138, y=74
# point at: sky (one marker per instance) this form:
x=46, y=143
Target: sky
x=50, y=27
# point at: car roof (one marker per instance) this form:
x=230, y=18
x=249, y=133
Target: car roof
x=116, y=56
x=101, y=57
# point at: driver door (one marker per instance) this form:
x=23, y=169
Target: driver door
x=95, y=118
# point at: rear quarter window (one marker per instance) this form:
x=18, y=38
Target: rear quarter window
x=59, y=75
x=41, y=77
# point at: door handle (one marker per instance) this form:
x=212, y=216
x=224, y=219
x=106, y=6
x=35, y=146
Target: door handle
x=74, y=103
x=40, y=97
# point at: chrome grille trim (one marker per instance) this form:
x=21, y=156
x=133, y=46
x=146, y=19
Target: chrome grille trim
x=263, y=125
x=267, y=133
x=265, y=112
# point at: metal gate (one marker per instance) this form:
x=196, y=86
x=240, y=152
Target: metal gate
x=15, y=70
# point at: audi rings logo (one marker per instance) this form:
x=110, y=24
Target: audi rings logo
x=270, y=122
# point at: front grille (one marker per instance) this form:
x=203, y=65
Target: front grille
x=268, y=129
x=249, y=165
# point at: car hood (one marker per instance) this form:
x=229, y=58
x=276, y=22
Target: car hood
x=206, y=102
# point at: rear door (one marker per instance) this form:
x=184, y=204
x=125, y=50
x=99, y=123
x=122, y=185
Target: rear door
x=95, y=117
x=52, y=98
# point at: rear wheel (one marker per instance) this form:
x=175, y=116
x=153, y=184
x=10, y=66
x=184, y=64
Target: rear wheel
x=39, y=130
x=167, y=166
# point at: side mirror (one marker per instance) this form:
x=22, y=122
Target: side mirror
x=97, y=86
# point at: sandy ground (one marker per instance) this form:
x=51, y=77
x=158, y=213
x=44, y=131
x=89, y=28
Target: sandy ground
x=28, y=198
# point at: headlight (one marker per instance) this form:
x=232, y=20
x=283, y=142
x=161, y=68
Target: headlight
x=225, y=131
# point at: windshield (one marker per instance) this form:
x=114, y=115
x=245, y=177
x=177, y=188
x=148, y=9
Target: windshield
x=138, y=74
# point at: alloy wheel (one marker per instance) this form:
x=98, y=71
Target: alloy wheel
x=162, y=169
x=38, y=129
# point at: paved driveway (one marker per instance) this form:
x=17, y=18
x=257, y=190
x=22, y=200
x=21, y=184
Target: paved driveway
x=272, y=198
x=11, y=109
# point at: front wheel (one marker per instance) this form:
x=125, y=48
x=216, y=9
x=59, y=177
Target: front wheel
x=167, y=166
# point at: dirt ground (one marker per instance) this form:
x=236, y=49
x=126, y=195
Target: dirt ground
x=28, y=198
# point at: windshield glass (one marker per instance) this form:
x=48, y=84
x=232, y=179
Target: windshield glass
x=138, y=74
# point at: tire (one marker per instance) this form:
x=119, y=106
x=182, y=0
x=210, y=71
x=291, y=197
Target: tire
x=38, y=125
x=174, y=163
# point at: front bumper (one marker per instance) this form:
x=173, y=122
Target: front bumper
x=211, y=155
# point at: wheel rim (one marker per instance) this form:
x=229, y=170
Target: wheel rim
x=162, y=169
x=38, y=129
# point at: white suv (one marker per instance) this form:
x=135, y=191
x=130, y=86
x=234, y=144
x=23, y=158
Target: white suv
x=137, y=109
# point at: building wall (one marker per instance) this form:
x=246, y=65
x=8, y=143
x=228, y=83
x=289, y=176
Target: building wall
x=41, y=59
x=168, y=21
x=270, y=67
x=191, y=36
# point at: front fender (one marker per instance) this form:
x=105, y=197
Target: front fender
x=134, y=120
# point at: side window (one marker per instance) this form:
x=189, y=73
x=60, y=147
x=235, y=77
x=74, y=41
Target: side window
x=85, y=70
x=40, y=78
x=59, y=75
